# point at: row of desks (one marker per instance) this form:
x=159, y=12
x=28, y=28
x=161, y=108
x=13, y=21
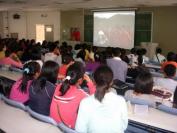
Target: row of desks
x=154, y=118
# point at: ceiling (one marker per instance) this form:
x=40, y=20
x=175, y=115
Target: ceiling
x=78, y=4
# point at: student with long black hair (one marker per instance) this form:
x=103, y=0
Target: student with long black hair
x=20, y=89
x=42, y=89
x=67, y=96
x=103, y=112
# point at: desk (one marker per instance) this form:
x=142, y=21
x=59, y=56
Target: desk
x=10, y=74
x=156, y=118
x=153, y=66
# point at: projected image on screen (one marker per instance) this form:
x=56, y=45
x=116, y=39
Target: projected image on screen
x=114, y=29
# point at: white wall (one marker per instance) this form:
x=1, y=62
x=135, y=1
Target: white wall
x=26, y=25
x=18, y=25
x=52, y=18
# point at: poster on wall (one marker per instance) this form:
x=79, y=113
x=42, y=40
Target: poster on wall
x=74, y=34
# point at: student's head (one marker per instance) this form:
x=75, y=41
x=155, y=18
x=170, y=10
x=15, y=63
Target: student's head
x=116, y=52
x=103, y=77
x=49, y=71
x=74, y=75
x=158, y=50
x=133, y=51
x=52, y=47
x=169, y=70
x=171, y=56
x=81, y=55
x=66, y=58
x=30, y=72
x=144, y=51
x=144, y=83
x=7, y=53
x=36, y=52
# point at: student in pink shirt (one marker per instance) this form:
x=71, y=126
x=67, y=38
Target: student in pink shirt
x=7, y=60
x=20, y=89
x=67, y=96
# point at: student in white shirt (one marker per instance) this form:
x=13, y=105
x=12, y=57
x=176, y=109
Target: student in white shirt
x=103, y=112
x=167, y=82
x=158, y=57
x=53, y=54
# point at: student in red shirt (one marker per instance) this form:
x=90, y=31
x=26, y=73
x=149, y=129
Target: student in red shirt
x=67, y=96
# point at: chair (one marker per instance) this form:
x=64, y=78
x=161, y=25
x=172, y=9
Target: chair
x=41, y=117
x=66, y=129
x=13, y=103
x=167, y=109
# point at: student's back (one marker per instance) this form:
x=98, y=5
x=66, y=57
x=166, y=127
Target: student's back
x=20, y=89
x=42, y=89
x=103, y=112
x=67, y=96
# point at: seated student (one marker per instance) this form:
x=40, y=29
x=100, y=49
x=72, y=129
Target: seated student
x=171, y=59
x=167, y=82
x=103, y=112
x=20, y=89
x=91, y=66
x=67, y=96
x=142, y=90
x=42, y=89
x=67, y=60
x=53, y=54
x=118, y=66
x=145, y=58
x=158, y=57
x=7, y=60
x=133, y=57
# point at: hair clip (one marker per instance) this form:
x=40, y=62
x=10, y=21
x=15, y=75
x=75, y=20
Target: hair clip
x=68, y=77
x=26, y=70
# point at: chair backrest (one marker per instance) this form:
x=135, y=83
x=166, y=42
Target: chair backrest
x=140, y=101
x=66, y=129
x=41, y=117
x=13, y=103
x=167, y=109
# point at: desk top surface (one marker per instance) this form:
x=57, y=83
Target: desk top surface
x=156, y=118
x=12, y=75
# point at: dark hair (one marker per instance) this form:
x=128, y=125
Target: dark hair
x=81, y=55
x=29, y=70
x=67, y=58
x=103, y=77
x=171, y=56
x=175, y=98
x=75, y=72
x=158, y=50
x=49, y=72
x=7, y=53
x=144, y=51
x=133, y=50
x=116, y=52
x=144, y=83
x=36, y=52
x=52, y=46
x=170, y=70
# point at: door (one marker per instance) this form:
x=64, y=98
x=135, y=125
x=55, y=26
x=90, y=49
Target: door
x=49, y=33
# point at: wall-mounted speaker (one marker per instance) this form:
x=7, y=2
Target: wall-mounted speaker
x=16, y=16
